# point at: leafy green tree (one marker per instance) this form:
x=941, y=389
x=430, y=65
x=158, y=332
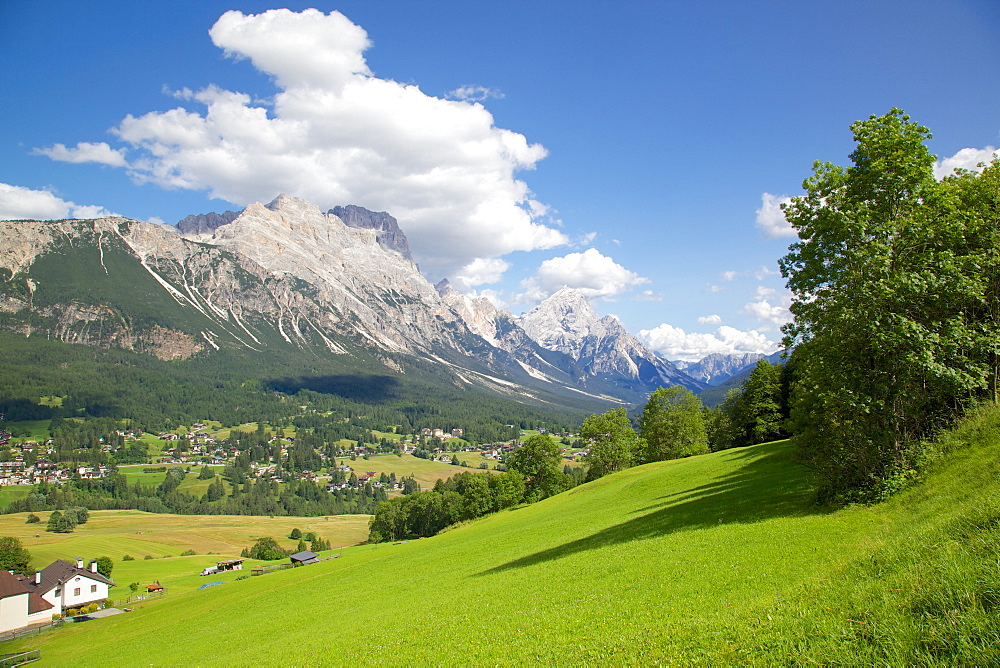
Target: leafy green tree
x=206, y=473
x=295, y=534
x=672, y=425
x=14, y=556
x=32, y=519
x=612, y=442
x=753, y=413
x=105, y=566
x=58, y=523
x=539, y=460
x=267, y=549
x=894, y=284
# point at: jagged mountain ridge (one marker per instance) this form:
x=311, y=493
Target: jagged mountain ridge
x=288, y=274
x=715, y=368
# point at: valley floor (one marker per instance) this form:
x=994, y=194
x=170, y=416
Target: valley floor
x=721, y=559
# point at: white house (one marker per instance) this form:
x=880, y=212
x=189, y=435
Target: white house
x=19, y=606
x=67, y=586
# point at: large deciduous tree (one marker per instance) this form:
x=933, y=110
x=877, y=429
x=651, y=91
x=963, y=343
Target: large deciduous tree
x=539, y=460
x=672, y=425
x=894, y=288
x=613, y=444
x=14, y=556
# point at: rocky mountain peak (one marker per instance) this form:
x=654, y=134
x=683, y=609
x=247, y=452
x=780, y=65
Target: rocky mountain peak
x=387, y=228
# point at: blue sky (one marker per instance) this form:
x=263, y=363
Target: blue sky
x=621, y=148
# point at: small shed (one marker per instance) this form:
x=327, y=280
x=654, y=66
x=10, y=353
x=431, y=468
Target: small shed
x=304, y=557
x=154, y=587
x=230, y=565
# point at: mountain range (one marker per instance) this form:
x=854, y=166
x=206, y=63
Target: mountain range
x=340, y=283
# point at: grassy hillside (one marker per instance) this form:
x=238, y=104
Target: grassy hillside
x=721, y=559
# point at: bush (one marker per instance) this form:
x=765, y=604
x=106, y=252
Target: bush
x=33, y=519
x=92, y=608
x=148, y=556
x=128, y=557
x=188, y=553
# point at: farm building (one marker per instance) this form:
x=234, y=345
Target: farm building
x=304, y=557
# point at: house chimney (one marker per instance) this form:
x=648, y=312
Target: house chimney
x=38, y=577
x=93, y=565
x=79, y=562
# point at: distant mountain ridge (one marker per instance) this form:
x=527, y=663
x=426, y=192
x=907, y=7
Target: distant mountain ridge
x=286, y=274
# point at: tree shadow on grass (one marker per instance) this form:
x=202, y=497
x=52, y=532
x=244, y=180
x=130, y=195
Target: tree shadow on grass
x=766, y=487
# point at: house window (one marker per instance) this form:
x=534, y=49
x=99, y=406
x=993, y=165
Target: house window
x=58, y=591
x=76, y=592
x=93, y=589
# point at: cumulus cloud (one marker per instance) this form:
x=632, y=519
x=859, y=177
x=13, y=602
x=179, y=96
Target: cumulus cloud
x=770, y=307
x=20, y=203
x=770, y=217
x=710, y=320
x=676, y=344
x=98, y=152
x=474, y=93
x=594, y=275
x=335, y=134
x=967, y=158
x=481, y=271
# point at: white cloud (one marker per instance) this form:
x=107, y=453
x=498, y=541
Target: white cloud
x=591, y=273
x=770, y=217
x=674, y=343
x=710, y=320
x=335, y=134
x=967, y=158
x=98, y=152
x=715, y=288
x=729, y=275
x=764, y=311
x=20, y=203
x=481, y=271
x=649, y=296
x=474, y=93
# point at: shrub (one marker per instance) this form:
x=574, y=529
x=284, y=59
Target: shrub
x=33, y=519
x=92, y=608
x=188, y=553
x=128, y=557
x=148, y=556
x=56, y=616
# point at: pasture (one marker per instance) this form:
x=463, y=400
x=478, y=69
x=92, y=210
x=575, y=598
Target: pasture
x=720, y=559
x=162, y=538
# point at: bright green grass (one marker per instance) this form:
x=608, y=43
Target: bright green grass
x=9, y=493
x=721, y=559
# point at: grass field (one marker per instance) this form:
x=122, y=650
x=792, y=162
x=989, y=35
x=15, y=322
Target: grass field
x=424, y=471
x=721, y=559
x=115, y=533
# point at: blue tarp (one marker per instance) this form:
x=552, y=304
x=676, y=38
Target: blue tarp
x=211, y=584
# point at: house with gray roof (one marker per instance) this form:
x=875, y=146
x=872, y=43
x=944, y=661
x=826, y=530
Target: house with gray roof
x=65, y=585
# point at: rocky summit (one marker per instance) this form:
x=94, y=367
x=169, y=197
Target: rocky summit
x=287, y=274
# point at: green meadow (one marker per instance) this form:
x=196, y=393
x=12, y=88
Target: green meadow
x=721, y=559
x=156, y=541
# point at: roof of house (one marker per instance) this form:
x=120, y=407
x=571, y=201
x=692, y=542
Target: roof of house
x=60, y=571
x=37, y=604
x=11, y=585
x=304, y=556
